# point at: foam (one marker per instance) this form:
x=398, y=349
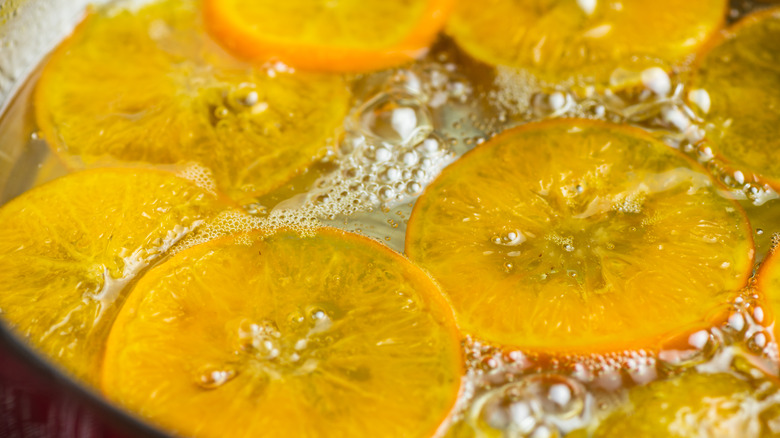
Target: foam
x=200, y=176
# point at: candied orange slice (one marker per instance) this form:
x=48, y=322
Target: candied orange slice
x=736, y=91
x=693, y=405
x=323, y=35
x=768, y=282
x=579, y=236
x=326, y=334
x=71, y=247
x=584, y=42
x=149, y=86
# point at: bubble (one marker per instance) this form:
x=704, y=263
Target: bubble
x=501, y=413
x=259, y=339
x=551, y=105
x=700, y=98
x=736, y=322
x=409, y=158
x=739, y=177
x=321, y=320
x=212, y=377
x=560, y=397
x=703, y=344
x=221, y=112
x=251, y=98
x=675, y=117
x=395, y=118
x=531, y=406
x=511, y=238
x=392, y=174
x=545, y=431
x=757, y=342
x=656, y=80
x=429, y=146
x=587, y=6
x=244, y=97
x=758, y=314
x=557, y=101
x=295, y=318
x=382, y=155
x=413, y=188
x=386, y=193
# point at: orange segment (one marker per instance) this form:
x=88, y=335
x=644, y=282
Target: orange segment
x=692, y=406
x=149, y=86
x=71, y=247
x=584, y=42
x=579, y=236
x=737, y=85
x=322, y=35
x=327, y=335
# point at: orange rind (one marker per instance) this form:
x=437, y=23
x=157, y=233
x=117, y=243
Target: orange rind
x=321, y=35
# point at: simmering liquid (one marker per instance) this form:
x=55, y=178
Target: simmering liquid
x=404, y=125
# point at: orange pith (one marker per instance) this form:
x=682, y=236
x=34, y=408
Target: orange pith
x=329, y=334
x=351, y=36
x=585, y=43
x=579, y=236
x=739, y=71
x=148, y=86
x=71, y=247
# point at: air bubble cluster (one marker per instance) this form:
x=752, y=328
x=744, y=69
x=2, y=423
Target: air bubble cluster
x=536, y=405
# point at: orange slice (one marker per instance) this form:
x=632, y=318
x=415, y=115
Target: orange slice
x=322, y=35
x=579, y=236
x=149, y=86
x=71, y=247
x=331, y=334
x=585, y=42
x=691, y=406
x=768, y=283
x=735, y=89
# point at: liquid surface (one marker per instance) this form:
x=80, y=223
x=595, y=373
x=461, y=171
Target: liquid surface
x=403, y=126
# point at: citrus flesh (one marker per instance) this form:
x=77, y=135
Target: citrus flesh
x=579, y=236
x=740, y=74
x=148, y=86
x=692, y=405
x=348, y=35
x=71, y=247
x=330, y=334
x=584, y=42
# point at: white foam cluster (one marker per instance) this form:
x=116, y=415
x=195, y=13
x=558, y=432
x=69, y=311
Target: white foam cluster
x=236, y=222
x=390, y=150
x=200, y=175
